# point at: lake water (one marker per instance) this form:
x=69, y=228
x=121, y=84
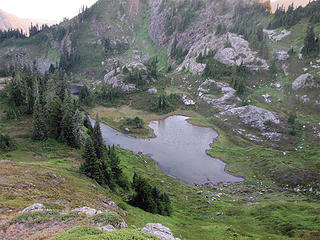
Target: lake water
x=179, y=149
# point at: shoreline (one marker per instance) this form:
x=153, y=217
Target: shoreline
x=206, y=152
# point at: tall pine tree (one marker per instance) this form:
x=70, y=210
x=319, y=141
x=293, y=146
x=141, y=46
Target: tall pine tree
x=97, y=139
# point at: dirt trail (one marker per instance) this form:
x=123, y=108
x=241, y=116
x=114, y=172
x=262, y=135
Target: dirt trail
x=134, y=7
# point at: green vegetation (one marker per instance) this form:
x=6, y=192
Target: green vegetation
x=150, y=198
x=88, y=233
x=111, y=218
x=6, y=143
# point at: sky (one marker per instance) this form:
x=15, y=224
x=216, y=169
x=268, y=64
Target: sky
x=44, y=9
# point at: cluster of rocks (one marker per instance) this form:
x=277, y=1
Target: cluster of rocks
x=304, y=80
x=158, y=230
x=253, y=116
x=155, y=229
x=274, y=36
x=238, y=52
x=187, y=101
x=223, y=102
x=282, y=55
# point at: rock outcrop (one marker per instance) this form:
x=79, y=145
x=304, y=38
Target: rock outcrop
x=160, y=231
x=117, y=81
x=87, y=211
x=35, y=207
x=238, y=52
x=253, y=116
x=305, y=80
x=272, y=34
x=187, y=101
x=222, y=103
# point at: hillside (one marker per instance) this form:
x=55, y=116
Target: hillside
x=229, y=65
x=9, y=21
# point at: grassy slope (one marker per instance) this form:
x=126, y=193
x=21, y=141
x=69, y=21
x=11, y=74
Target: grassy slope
x=247, y=212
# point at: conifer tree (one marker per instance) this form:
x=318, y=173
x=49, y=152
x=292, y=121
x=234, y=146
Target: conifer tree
x=66, y=134
x=97, y=139
x=76, y=127
x=53, y=109
x=311, y=43
x=90, y=166
x=39, y=131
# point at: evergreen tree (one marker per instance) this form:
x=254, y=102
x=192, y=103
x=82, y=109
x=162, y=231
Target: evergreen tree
x=85, y=97
x=87, y=124
x=97, y=139
x=76, y=128
x=66, y=134
x=90, y=166
x=53, y=110
x=39, y=131
x=311, y=43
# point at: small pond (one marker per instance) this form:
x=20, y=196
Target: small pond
x=179, y=149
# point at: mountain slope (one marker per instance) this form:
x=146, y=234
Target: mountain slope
x=9, y=21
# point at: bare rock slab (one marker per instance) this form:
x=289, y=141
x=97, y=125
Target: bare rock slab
x=158, y=230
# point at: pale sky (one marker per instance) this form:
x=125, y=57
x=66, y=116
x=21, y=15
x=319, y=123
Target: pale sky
x=44, y=9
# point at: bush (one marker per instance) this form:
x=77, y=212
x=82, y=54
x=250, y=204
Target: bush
x=111, y=218
x=6, y=143
x=134, y=122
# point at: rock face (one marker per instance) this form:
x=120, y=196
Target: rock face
x=153, y=91
x=118, y=82
x=87, y=211
x=35, y=207
x=253, y=116
x=187, y=101
x=236, y=53
x=303, y=81
x=272, y=34
x=282, y=55
x=158, y=230
x=222, y=103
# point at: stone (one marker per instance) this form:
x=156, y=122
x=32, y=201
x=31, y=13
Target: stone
x=267, y=98
x=153, y=91
x=87, y=211
x=253, y=116
x=108, y=228
x=187, y=101
x=276, y=37
x=302, y=81
x=158, y=230
x=35, y=207
x=118, y=82
x=282, y=55
x=272, y=136
x=219, y=214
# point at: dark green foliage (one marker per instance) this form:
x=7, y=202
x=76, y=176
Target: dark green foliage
x=295, y=126
x=39, y=128
x=116, y=172
x=6, y=143
x=221, y=29
x=107, y=94
x=68, y=60
x=134, y=122
x=165, y=104
x=291, y=17
x=68, y=123
x=90, y=167
x=11, y=33
x=311, y=43
x=152, y=68
x=87, y=124
x=217, y=70
x=85, y=96
x=177, y=52
x=239, y=85
x=181, y=15
x=97, y=139
x=150, y=198
x=111, y=218
x=247, y=20
x=137, y=77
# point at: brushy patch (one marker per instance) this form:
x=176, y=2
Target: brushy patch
x=86, y=233
x=111, y=218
